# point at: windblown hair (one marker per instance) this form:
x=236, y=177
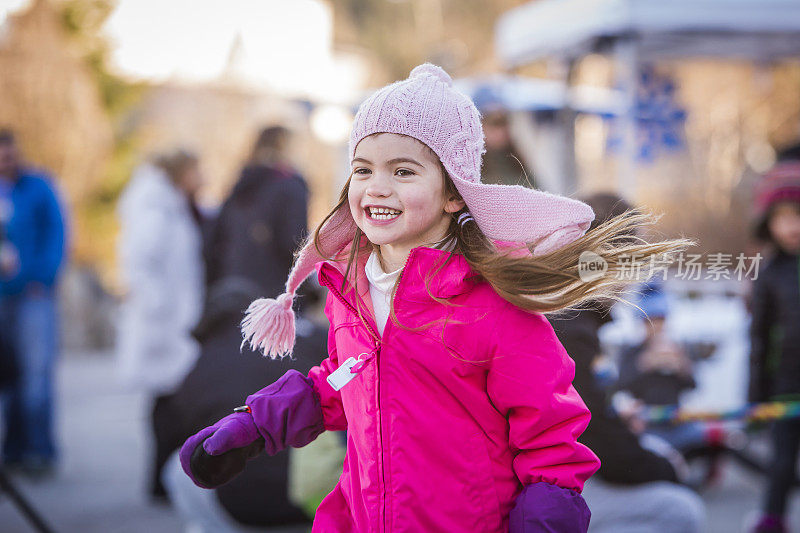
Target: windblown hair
x=548, y=283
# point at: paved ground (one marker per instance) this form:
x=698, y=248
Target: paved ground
x=99, y=487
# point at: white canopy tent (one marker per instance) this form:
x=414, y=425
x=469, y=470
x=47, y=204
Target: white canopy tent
x=639, y=31
x=760, y=30
x=518, y=93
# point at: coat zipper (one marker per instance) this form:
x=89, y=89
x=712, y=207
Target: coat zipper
x=378, y=340
x=351, y=307
x=378, y=363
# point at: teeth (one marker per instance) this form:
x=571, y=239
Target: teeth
x=383, y=213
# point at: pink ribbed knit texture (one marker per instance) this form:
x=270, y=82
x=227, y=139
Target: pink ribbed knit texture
x=427, y=107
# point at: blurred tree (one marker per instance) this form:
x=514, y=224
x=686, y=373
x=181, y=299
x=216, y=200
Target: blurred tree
x=69, y=111
x=83, y=21
x=49, y=99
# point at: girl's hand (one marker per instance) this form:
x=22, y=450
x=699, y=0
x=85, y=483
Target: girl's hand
x=544, y=507
x=286, y=413
x=235, y=431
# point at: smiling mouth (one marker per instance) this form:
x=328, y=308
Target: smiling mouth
x=382, y=213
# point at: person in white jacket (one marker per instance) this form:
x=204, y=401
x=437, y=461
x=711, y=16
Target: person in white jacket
x=160, y=256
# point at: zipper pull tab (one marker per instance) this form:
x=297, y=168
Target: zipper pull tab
x=348, y=370
x=363, y=359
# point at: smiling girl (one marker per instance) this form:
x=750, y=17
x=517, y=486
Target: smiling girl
x=456, y=395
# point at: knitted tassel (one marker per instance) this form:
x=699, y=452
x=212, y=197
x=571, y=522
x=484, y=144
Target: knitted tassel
x=268, y=326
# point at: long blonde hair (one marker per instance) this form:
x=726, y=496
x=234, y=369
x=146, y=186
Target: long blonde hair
x=548, y=283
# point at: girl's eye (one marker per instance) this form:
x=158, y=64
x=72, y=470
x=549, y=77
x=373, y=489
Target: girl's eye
x=361, y=171
x=404, y=172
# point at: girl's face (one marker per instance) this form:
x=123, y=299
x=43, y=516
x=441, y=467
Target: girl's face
x=397, y=195
x=784, y=226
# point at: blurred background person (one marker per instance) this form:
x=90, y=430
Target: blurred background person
x=263, y=219
x=160, y=254
x=31, y=254
x=635, y=488
x=774, y=332
x=658, y=370
x=250, y=253
x=502, y=162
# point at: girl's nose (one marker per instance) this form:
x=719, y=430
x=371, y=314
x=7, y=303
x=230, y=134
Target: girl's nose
x=378, y=186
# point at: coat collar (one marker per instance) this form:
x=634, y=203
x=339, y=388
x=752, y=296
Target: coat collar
x=429, y=271
x=444, y=274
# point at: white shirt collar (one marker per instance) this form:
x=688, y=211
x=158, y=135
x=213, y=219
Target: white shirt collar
x=377, y=277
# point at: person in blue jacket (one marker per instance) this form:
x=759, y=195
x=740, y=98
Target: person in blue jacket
x=31, y=253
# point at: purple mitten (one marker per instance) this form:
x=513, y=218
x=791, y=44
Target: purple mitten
x=545, y=508
x=236, y=430
x=287, y=413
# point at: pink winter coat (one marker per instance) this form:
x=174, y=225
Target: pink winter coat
x=451, y=417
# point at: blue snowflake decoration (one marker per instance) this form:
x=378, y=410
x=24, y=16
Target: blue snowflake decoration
x=660, y=120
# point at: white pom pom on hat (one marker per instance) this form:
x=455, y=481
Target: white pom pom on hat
x=429, y=69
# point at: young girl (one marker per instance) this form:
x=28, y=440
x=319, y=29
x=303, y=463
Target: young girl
x=775, y=338
x=456, y=397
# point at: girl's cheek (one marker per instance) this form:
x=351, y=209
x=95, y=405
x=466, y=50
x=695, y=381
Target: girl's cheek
x=354, y=201
x=423, y=201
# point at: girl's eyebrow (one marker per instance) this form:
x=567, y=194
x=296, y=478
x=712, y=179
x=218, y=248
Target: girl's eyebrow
x=405, y=160
x=392, y=161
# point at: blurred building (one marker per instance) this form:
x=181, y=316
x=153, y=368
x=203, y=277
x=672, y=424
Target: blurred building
x=707, y=92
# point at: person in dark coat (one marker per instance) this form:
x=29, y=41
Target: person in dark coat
x=221, y=380
x=774, y=332
x=634, y=485
x=657, y=370
x=263, y=220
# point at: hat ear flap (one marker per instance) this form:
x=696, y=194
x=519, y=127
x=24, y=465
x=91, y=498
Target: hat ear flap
x=560, y=237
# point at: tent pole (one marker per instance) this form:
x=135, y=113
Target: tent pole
x=567, y=177
x=626, y=63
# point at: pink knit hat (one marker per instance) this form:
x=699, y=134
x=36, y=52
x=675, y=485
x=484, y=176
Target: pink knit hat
x=780, y=183
x=427, y=108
